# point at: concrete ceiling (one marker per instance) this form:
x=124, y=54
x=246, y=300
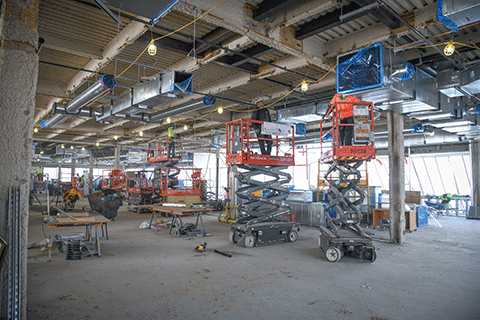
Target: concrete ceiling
x=244, y=50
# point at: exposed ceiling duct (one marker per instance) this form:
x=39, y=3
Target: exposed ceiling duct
x=92, y=94
x=160, y=90
x=375, y=74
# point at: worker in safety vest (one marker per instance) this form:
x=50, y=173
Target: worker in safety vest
x=171, y=142
x=345, y=110
x=39, y=172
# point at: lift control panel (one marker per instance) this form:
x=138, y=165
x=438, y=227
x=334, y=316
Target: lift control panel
x=361, y=145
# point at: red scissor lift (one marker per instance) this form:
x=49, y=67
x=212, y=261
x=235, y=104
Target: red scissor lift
x=113, y=179
x=174, y=184
x=140, y=189
x=343, y=235
x=262, y=217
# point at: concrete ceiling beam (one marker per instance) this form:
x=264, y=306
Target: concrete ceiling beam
x=234, y=17
x=71, y=47
x=420, y=19
x=51, y=88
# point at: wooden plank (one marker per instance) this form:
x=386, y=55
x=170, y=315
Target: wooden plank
x=79, y=220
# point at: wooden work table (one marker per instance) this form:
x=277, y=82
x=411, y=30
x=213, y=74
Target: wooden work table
x=177, y=213
x=88, y=219
x=384, y=214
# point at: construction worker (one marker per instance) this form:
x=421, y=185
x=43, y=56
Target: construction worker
x=171, y=142
x=345, y=111
x=39, y=172
x=262, y=114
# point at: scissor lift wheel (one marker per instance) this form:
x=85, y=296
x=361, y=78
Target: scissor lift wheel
x=333, y=254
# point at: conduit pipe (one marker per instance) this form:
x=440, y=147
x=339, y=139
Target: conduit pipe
x=92, y=94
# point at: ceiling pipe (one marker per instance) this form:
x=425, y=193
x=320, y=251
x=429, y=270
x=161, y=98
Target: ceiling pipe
x=95, y=92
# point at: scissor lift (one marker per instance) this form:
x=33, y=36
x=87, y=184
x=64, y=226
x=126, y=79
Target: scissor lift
x=174, y=184
x=343, y=235
x=262, y=217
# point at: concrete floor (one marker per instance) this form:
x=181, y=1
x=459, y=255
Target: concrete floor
x=148, y=274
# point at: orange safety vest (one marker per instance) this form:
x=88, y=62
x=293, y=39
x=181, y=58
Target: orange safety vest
x=345, y=105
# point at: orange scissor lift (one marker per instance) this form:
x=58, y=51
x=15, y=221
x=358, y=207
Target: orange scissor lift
x=343, y=235
x=174, y=184
x=263, y=214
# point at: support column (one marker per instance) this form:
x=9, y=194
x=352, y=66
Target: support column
x=59, y=172
x=90, y=174
x=217, y=176
x=18, y=82
x=72, y=170
x=396, y=153
x=474, y=211
x=117, y=157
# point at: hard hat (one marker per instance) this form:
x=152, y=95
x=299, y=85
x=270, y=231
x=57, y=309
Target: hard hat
x=257, y=100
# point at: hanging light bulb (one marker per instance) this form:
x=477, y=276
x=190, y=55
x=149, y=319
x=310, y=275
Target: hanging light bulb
x=220, y=110
x=449, y=49
x=152, y=49
x=41, y=152
x=304, y=86
x=83, y=148
x=185, y=127
x=62, y=146
x=169, y=120
x=35, y=129
x=115, y=137
x=71, y=147
x=97, y=144
x=140, y=133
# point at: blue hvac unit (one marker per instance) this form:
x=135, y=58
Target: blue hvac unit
x=422, y=217
x=362, y=70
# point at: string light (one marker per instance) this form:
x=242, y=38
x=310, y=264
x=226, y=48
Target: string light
x=220, y=110
x=115, y=137
x=35, y=129
x=304, y=86
x=140, y=133
x=62, y=146
x=41, y=152
x=449, y=49
x=83, y=148
x=97, y=144
x=71, y=147
x=152, y=49
x=185, y=127
x=169, y=120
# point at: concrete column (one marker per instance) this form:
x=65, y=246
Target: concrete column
x=475, y=159
x=396, y=153
x=117, y=157
x=217, y=175
x=59, y=173
x=18, y=82
x=72, y=170
x=90, y=174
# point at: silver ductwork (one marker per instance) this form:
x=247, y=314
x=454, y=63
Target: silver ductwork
x=95, y=92
x=302, y=114
x=155, y=92
x=375, y=74
x=462, y=12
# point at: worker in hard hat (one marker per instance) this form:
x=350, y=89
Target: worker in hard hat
x=171, y=142
x=345, y=110
x=262, y=114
